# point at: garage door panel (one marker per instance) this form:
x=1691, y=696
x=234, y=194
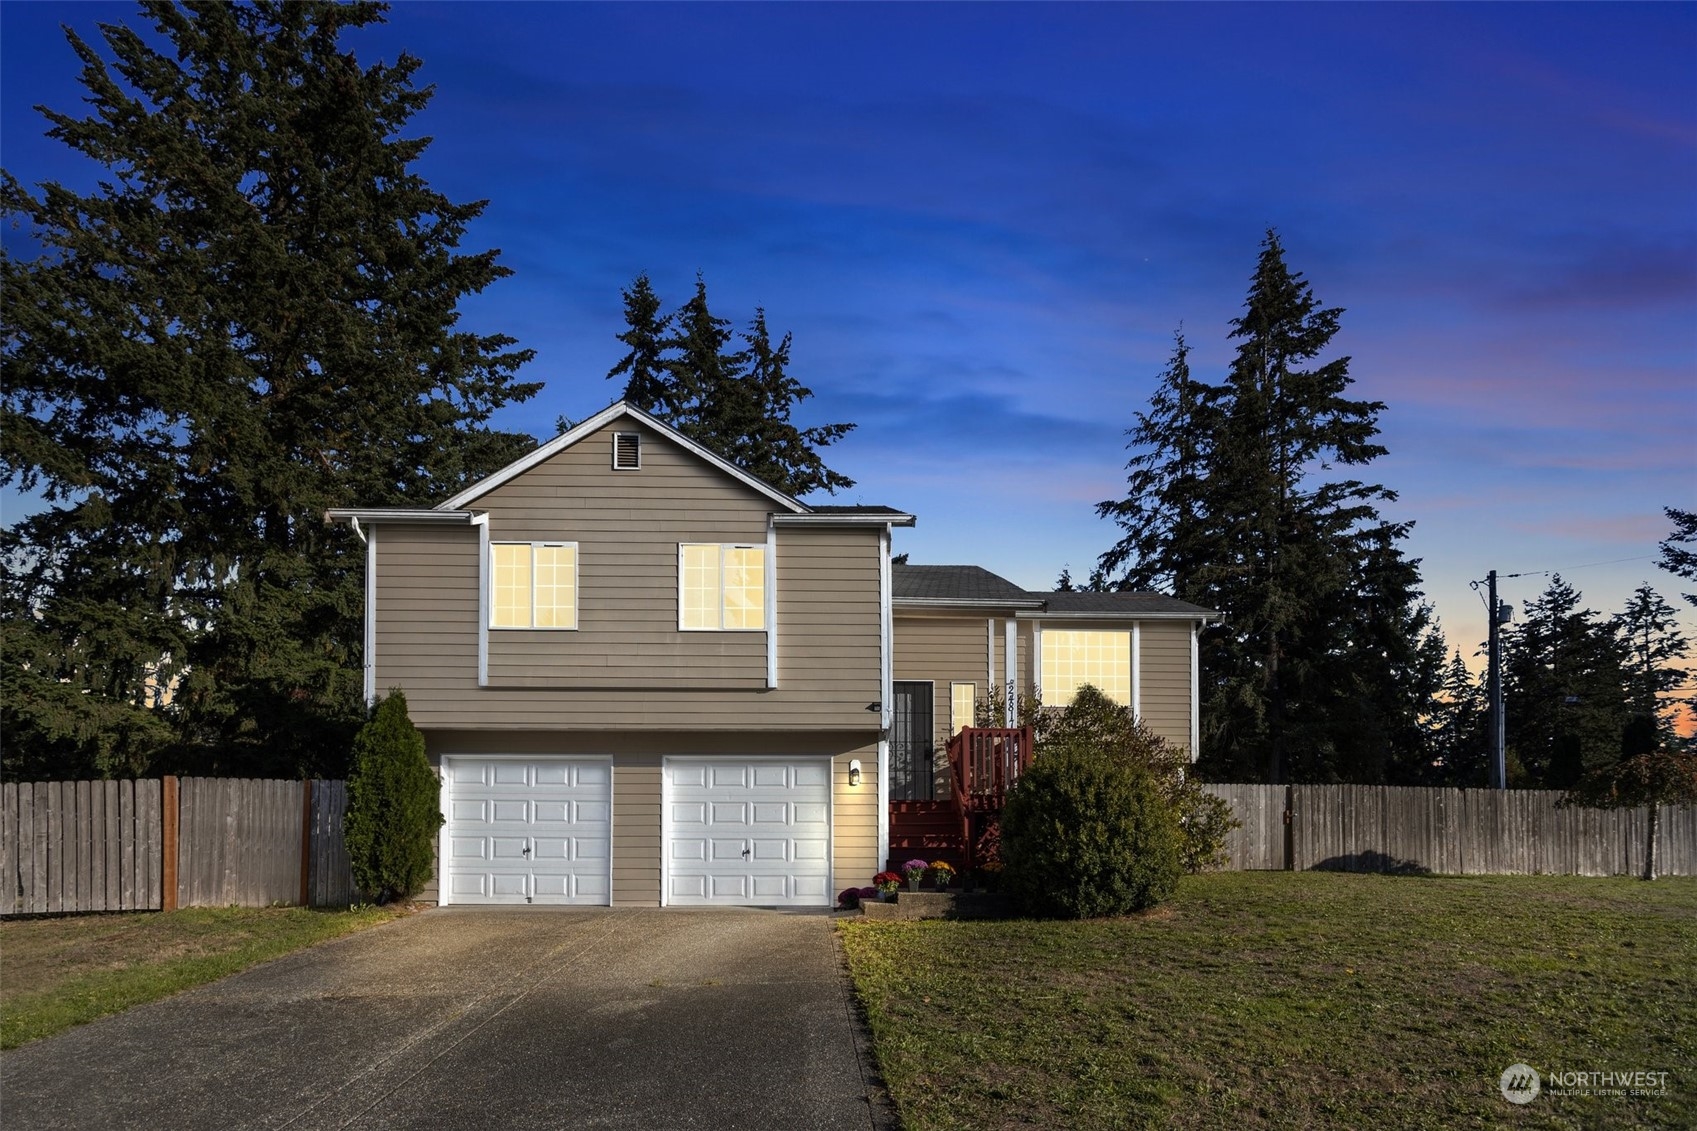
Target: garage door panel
x=753, y=832
x=723, y=849
x=733, y=776
x=528, y=830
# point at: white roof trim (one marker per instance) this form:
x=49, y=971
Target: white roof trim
x=398, y=514
x=606, y=416
x=1126, y=614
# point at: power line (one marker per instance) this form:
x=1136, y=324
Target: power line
x=1570, y=569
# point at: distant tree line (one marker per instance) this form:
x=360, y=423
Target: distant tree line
x=1247, y=496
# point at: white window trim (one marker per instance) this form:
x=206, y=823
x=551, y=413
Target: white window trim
x=489, y=617
x=955, y=725
x=767, y=598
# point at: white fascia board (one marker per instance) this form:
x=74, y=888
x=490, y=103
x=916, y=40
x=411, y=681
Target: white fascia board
x=1127, y=615
x=999, y=608
x=612, y=412
x=844, y=519
x=370, y=515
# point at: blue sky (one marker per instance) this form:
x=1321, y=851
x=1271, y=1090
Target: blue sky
x=984, y=223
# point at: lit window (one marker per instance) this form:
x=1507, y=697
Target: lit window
x=1073, y=659
x=532, y=585
x=963, y=700
x=722, y=587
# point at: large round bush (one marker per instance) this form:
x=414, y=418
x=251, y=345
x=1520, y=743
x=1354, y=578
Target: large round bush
x=1085, y=834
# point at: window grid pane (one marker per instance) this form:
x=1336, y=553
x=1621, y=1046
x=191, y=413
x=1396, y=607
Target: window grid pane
x=510, y=585
x=700, y=591
x=745, y=587
x=1073, y=659
x=963, y=702
x=556, y=587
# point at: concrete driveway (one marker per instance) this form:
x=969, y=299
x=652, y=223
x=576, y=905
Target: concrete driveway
x=521, y=1018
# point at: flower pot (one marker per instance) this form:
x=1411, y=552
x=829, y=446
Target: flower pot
x=913, y=885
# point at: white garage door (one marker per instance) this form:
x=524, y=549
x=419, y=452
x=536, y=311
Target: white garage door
x=748, y=832
x=528, y=831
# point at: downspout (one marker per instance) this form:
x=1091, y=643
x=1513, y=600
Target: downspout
x=886, y=694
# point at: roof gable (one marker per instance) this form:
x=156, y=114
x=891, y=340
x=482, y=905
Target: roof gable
x=611, y=414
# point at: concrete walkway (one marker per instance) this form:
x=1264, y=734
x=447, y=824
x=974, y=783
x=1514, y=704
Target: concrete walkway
x=461, y=1018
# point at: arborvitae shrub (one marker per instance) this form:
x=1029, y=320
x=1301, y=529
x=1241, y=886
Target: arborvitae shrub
x=394, y=805
x=1085, y=834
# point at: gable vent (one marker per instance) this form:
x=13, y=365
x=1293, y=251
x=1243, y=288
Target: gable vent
x=627, y=451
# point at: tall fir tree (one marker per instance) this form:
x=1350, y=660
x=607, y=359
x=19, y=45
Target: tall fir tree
x=252, y=319
x=1675, y=558
x=1564, y=687
x=644, y=367
x=1316, y=671
x=683, y=369
x=1165, y=543
x=1648, y=629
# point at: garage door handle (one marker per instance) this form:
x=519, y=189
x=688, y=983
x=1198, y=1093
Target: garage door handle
x=527, y=850
x=745, y=852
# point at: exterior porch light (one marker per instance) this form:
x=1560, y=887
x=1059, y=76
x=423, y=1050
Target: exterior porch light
x=854, y=772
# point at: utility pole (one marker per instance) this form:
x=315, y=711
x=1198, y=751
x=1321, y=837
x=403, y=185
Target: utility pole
x=1500, y=615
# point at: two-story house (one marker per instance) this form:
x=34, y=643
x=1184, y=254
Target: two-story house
x=647, y=677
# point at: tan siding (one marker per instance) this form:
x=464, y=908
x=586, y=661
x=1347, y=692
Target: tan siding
x=854, y=820
x=627, y=525
x=1166, y=679
x=945, y=650
x=652, y=676
x=636, y=830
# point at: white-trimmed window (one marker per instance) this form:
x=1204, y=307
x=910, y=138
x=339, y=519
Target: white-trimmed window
x=533, y=585
x=721, y=587
x=1073, y=659
x=963, y=701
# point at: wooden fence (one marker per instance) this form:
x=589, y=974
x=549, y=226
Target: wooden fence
x=161, y=844
x=1373, y=828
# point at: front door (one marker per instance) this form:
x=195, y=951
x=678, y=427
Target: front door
x=911, y=751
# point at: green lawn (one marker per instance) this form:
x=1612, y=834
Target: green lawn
x=56, y=973
x=1278, y=999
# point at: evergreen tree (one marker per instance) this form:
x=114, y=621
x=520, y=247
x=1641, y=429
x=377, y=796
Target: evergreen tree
x=1165, y=545
x=683, y=370
x=1676, y=559
x=1649, y=630
x=1316, y=671
x=394, y=805
x=252, y=319
x=1564, y=687
x=771, y=447
x=1455, y=728
x=644, y=367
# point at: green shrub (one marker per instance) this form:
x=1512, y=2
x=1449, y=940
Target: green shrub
x=1085, y=834
x=394, y=805
x=1095, y=722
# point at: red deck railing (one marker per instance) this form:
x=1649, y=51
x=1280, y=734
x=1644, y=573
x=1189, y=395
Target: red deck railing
x=984, y=763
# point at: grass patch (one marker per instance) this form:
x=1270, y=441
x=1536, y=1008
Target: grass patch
x=56, y=973
x=1280, y=999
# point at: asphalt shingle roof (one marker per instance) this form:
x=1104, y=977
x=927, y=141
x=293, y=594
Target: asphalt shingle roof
x=975, y=584
x=954, y=583
x=856, y=510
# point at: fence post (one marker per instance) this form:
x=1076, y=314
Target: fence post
x=168, y=846
x=306, y=843
x=1290, y=828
